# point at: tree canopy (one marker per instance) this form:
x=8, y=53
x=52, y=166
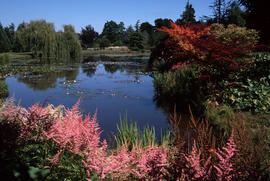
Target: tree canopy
x=88, y=36
x=188, y=16
x=40, y=38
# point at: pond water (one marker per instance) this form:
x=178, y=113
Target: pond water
x=112, y=88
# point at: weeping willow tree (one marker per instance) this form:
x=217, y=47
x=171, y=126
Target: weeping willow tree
x=40, y=38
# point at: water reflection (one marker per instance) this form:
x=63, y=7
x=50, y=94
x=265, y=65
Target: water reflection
x=111, y=68
x=44, y=81
x=89, y=70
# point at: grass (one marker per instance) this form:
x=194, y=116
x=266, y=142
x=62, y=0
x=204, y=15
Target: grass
x=130, y=134
x=5, y=58
x=86, y=53
x=3, y=89
x=21, y=56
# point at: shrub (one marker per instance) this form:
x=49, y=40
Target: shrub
x=202, y=47
x=3, y=89
x=181, y=86
x=248, y=90
x=235, y=36
x=165, y=55
x=5, y=58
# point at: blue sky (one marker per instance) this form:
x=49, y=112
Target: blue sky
x=80, y=13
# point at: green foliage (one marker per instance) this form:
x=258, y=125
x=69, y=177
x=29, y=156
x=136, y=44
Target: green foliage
x=136, y=41
x=129, y=134
x=88, y=36
x=3, y=89
x=162, y=22
x=5, y=42
x=40, y=38
x=104, y=42
x=249, y=89
x=188, y=16
x=113, y=31
x=235, y=36
x=252, y=95
x=235, y=15
x=5, y=58
x=219, y=115
x=181, y=86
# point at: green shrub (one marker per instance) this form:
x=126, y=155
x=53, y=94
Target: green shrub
x=235, y=35
x=219, y=115
x=5, y=58
x=249, y=89
x=251, y=95
x=3, y=89
x=181, y=87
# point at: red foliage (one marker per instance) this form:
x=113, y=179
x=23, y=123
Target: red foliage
x=201, y=45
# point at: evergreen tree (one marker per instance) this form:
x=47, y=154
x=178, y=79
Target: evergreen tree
x=188, y=16
x=5, y=44
x=235, y=15
x=110, y=31
x=162, y=22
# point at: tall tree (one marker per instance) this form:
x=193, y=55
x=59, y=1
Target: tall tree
x=145, y=26
x=188, y=16
x=88, y=36
x=5, y=44
x=162, y=22
x=114, y=32
x=219, y=8
x=40, y=38
x=128, y=34
x=147, y=30
x=110, y=31
x=235, y=15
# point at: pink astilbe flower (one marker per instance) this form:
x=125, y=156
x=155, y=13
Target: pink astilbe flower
x=79, y=136
x=151, y=162
x=36, y=119
x=194, y=169
x=226, y=157
x=117, y=165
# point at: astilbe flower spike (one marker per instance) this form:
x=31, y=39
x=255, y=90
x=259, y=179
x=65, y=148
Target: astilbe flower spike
x=75, y=134
x=226, y=158
x=194, y=170
x=151, y=162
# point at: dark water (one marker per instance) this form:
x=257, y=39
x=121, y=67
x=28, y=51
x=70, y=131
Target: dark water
x=111, y=88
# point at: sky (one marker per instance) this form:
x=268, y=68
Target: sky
x=80, y=13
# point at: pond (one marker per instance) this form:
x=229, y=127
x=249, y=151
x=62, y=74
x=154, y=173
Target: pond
x=110, y=87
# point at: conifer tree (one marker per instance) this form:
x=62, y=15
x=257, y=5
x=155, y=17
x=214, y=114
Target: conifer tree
x=188, y=16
